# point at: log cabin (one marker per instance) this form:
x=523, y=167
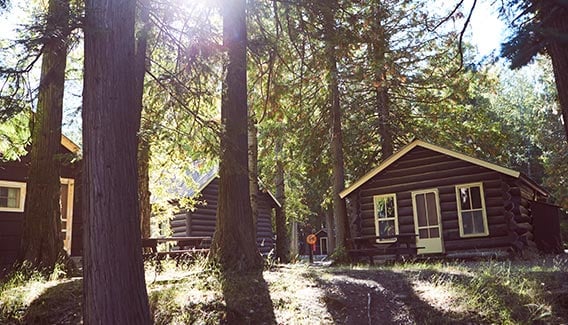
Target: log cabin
x=454, y=204
x=13, y=179
x=201, y=220
x=321, y=244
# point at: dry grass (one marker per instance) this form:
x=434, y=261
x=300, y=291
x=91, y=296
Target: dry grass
x=479, y=292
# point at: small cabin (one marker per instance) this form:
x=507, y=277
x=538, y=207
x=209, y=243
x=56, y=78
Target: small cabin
x=321, y=244
x=13, y=182
x=452, y=203
x=201, y=221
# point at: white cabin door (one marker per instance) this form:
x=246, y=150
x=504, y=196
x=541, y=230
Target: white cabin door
x=427, y=221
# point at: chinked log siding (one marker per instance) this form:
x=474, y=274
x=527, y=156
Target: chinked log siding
x=423, y=169
x=434, y=182
x=202, y=220
x=508, y=196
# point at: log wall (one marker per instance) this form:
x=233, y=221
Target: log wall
x=422, y=169
x=517, y=196
x=201, y=221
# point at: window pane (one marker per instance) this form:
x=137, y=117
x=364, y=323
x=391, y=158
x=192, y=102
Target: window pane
x=386, y=228
x=13, y=203
x=390, y=207
x=475, y=197
x=381, y=209
x=464, y=198
x=478, y=222
x=432, y=211
x=467, y=220
x=434, y=232
x=421, y=210
x=9, y=197
x=423, y=233
x=14, y=197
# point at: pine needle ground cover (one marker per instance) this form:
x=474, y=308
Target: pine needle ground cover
x=483, y=292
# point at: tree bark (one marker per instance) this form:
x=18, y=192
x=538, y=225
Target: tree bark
x=558, y=51
x=330, y=230
x=234, y=245
x=253, y=168
x=143, y=157
x=282, y=237
x=379, y=48
x=114, y=291
x=338, y=169
x=144, y=186
x=42, y=241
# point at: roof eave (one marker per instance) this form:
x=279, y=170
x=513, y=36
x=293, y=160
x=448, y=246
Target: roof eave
x=534, y=185
x=393, y=158
x=70, y=145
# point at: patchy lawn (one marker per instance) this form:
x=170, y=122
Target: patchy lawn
x=515, y=292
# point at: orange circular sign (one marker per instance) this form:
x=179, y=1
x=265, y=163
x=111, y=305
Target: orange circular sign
x=311, y=239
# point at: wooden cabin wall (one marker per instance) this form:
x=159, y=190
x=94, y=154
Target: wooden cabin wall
x=546, y=222
x=178, y=224
x=202, y=221
x=10, y=234
x=11, y=222
x=264, y=234
x=425, y=169
x=353, y=203
x=517, y=196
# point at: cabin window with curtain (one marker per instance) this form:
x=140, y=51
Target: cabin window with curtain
x=471, y=210
x=386, y=217
x=12, y=196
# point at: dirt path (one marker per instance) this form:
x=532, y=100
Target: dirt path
x=357, y=297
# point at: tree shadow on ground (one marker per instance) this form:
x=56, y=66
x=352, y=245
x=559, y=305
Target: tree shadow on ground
x=381, y=297
x=60, y=304
x=390, y=298
x=247, y=299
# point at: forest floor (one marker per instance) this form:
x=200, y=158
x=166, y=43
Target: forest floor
x=431, y=292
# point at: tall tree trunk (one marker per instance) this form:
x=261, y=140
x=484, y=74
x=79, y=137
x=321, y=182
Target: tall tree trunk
x=234, y=245
x=114, y=291
x=143, y=157
x=282, y=238
x=294, y=240
x=330, y=230
x=558, y=51
x=144, y=185
x=378, y=48
x=338, y=169
x=42, y=241
x=253, y=168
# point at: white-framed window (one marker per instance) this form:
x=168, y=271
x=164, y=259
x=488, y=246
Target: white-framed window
x=386, y=217
x=12, y=196
x=471, y=210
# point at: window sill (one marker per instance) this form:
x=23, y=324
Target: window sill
x=474, y=235
x=11, y=210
